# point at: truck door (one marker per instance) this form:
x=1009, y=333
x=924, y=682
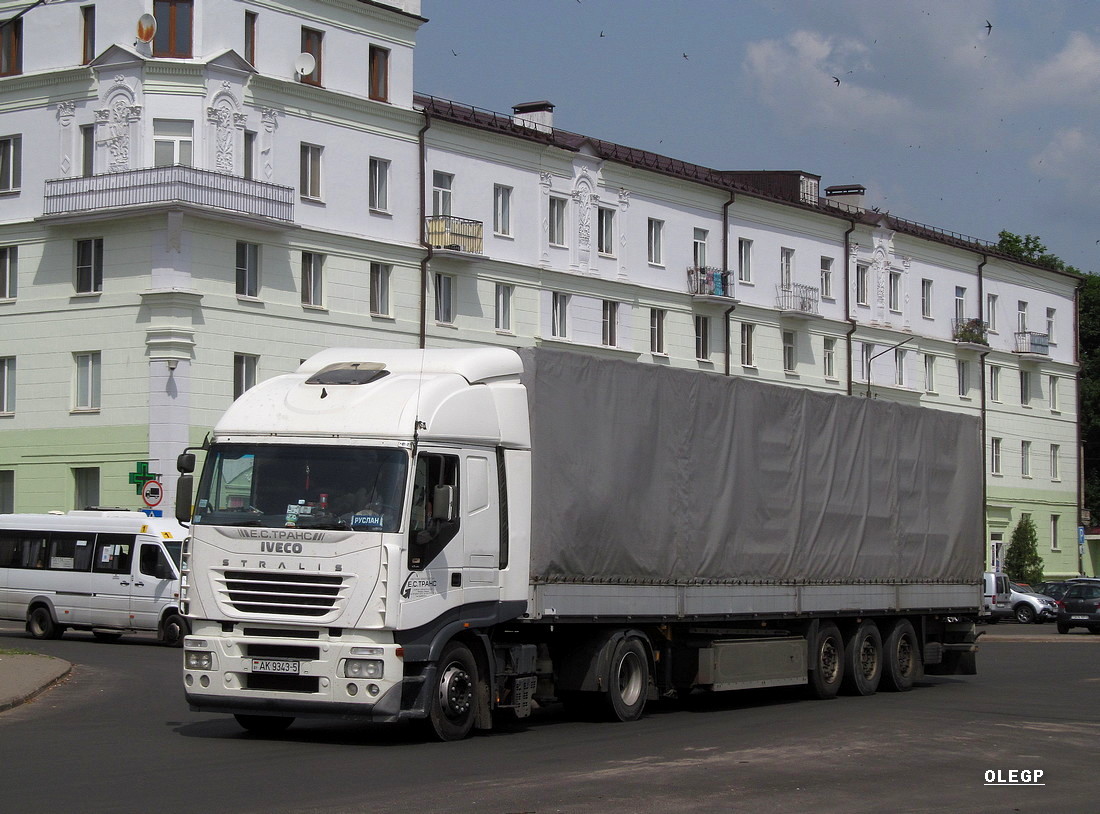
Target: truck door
x=111, y=580
x=154, y=586
x=480, y=529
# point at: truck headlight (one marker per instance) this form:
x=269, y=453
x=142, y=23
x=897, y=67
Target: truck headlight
x=362, y=668
x=198, y=660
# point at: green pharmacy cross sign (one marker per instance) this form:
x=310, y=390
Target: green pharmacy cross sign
x=142, y=475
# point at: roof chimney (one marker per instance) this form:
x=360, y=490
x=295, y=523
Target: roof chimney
x=537, y=115
x=846, y=196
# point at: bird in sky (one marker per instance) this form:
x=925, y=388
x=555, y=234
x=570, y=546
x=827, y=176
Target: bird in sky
x=602, y=34
x=454, y=52
x=836, y=79
x=988, y=28
x=685, y=55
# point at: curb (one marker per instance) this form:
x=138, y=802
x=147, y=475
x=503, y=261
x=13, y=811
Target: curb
x=30, y=675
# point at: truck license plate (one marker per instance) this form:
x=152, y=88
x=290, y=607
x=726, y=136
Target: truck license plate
x=274, y=666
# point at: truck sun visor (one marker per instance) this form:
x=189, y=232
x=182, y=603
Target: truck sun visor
x=349, y=373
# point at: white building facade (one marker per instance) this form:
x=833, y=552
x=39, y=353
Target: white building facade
x=182, y=217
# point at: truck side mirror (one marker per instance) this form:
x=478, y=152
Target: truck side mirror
x=443, y=503
x=184, y=489
x=185, y=463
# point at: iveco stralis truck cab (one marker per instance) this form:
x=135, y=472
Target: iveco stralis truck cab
x=350, y=520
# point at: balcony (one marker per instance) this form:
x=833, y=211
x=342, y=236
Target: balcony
x=123, y=192
x=798, y=301
x=1032, y=345
x=711, y=284
x=450, y=234
x=970, y=332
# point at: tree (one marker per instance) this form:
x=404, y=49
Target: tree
x=1022, y=560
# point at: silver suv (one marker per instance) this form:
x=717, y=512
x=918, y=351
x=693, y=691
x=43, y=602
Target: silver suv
x=1028, y=606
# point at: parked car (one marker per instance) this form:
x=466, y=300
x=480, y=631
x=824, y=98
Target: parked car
x=1080, y=607
x=1055, y=589
x=995, y=598
x=1028, y=606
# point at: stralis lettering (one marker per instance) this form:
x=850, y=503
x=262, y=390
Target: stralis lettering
x=283, y=566
x=282, y=534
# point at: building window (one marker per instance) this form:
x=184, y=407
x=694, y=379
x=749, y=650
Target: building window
x=657, y=330
x=899, y=367
x=11, y=48
x=503, y=307
x=312, y=277
x=1025, y=458
x=380, y=289
x=1052, y=393
x=702, y=337
x=748, y=352
x=863, y=283
x=827, y=278
x=1054, y=533
x=605, y=231
x=557, y=222
x=699, y=248
x=444, y=299
x=962, y=372
x=994, y=383
x=929, y=373
x=9, y=272
x=379, y=79
x=786, y=268
x=11, y=163
x=865, y=364
x=559, y=315
x=991, y=312
x=7, y=384
x=995, y=456
x=87, y=386
x=1050, y=325
x=85, y=487
x=309, y=183
x=655, y=238
x=894, y=293
x=1025, y=388
x=379, y=192
x=248, y=269
x=960, y=304
x=502, y=210
x=244, y=373
x=87, y=20
x=744, y=260
x=250, y=18
x=87, y=150
x=829, y=358
x=788, y=351
x=249, y=154
x=173, y=37
x=610, y=323
x=89, y=266
x=312, y=44
x=7, y=491
x=926, y=298
x=1055, y=462
x=173, y=142
x=441, y=193
x=1021, y=316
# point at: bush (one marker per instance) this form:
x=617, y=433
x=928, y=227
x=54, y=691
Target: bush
x=1022, y=560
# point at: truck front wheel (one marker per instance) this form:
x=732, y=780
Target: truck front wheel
x=454, y=702
x=627, y=680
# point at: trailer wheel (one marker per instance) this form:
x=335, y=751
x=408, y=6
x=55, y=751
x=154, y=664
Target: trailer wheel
x=40, y=623
x=827, y=658
x=454, y=702
x=264, y=724
x=173, y=629
x=902, y=658
x=627, y=681
x=863, y=660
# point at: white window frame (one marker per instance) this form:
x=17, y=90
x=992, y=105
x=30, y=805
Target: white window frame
x=86, y=486
x=247, y=278
x=559, y=315
x=11, y=163
x=245, y=367
x=699, y=247
x=1021, y=316
x=702, y=338
x=605, y=231
x=962, y=375
x=313, y=279
x=1055, y=462
x=894, y=292
x=1054, y=518
x=995, y=383
x=556, y=231
x=310, y=171
x=442, y=193
x=1052, y=394
x=502, y=296
x=88, y=277
x=748, y=342
x=863, y=284
x=502, y=210
x=1025, y=459
x=1025, y=388
x=444, y=299
x=899, y=367
x=9, y=272
x=654, y=241
x=88, y=381
x=169, y=135
x=926, y=298
x=1052, y=314
x=991, y=313
x=380, y=289
x=960, y=304
x=789, y=359
x=826, y=278
x=378, y=197
x=930, y=373
x=657, y=318
x=786, y=268
x=7, y=385
x=610, y=323
x=744, y=260
x=829, y=357
x=995, y=455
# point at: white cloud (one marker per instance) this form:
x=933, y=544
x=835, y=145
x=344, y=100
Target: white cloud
x=1069, y=157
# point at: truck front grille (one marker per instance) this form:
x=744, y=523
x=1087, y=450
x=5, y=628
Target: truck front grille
x=284, y=594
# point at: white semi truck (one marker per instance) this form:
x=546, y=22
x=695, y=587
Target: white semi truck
x=453, y=535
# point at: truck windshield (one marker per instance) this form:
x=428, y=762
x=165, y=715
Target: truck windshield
x=319, y=487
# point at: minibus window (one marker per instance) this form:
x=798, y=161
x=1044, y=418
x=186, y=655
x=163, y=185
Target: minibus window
x=113, y=553
x=154, y=563
x=70, y=551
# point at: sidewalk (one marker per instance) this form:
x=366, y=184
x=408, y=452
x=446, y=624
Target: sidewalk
x=22, y=677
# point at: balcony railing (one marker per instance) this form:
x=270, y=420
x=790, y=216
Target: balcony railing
x=798, y=298
x=169, y=185
x=710, y=282
x=1031, y=342
x=454, y=234
x=969, y=330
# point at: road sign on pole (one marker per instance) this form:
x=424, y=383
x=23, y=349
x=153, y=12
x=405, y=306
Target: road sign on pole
x=152, y=493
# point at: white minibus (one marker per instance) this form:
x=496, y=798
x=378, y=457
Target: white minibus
x=107, y=571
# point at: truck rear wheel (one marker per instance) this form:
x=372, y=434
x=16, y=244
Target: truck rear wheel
x=627, y=680
x=902, y=664
x=827, y=662
x=454, y=701
x=863, y=660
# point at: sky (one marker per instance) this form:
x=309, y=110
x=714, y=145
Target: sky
x=944, y=120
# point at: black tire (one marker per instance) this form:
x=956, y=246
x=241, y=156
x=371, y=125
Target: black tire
x=826, y=672
x=863, y=660
x=901, y=658
x=1025, y=614
x=1062, y=627
x=106, y=636
x=454, y=698
x=41, y=625
x=173, y=629
x=263, y=724
x=627, y=681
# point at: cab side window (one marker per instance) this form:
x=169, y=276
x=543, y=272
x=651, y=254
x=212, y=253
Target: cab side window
x=154, y=563
x=432, y=526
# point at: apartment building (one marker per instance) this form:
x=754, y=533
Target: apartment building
x=192, y=206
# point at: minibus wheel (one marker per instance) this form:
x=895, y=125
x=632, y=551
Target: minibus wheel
x=40, y=623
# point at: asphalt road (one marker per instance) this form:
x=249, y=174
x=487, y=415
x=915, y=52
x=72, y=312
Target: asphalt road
x=118, y=737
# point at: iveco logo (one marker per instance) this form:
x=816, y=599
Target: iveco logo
x=282, y=534
x=281, y=548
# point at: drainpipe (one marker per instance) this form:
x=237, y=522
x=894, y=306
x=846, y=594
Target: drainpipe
x=1081, y=519
x=427, y=259
x=725, y=271
x=848, y=300
x=982, y=428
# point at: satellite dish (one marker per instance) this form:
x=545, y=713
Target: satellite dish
x=304, y=64
x=146, y=27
